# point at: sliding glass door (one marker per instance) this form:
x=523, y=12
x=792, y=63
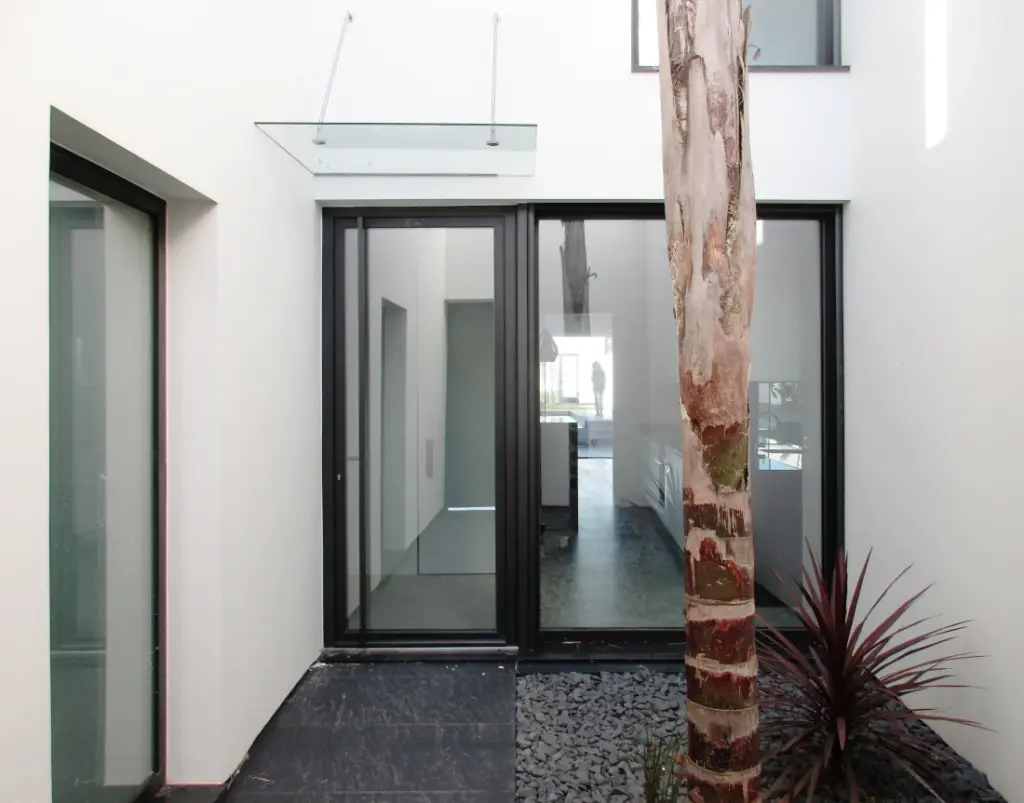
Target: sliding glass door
x=103, y=492
x=502, y=428
x=612, y=557
x=416, y=328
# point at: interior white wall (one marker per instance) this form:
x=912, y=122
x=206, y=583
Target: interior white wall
x=933, y=371
x=407, y=267
x=397, y=446
x=566, y=67
x=470, y=434
x=469, y=264
x=664, y=442
x=470, y=329
x=243, y=348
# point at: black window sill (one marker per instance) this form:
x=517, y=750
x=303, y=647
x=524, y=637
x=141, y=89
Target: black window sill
x=815, y=68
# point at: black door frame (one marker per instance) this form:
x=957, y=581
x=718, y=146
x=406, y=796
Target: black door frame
x=518, y=422
x=336, y=223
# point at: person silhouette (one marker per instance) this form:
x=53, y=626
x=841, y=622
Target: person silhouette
x=597, y=379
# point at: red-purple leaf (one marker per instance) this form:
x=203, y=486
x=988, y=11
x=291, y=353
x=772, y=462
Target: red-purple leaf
x=848, y=688
x=851, y=780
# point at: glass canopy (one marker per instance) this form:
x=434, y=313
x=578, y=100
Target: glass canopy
x=419, y=149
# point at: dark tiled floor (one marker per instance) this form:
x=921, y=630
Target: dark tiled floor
x=377, y=733
x=191, y=794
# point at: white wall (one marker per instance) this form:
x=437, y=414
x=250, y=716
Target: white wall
x=934, y=374
x=469, y=264
x=24, y=431
x=162, y=99
x=407, y=267
x=242, y=348
x=564, y=66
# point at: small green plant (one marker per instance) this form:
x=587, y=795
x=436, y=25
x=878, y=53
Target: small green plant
x=663, y=765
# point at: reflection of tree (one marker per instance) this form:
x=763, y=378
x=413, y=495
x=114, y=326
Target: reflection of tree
x=576, y=278
x=785, y=392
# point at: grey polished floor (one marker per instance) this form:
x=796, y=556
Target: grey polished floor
x=617, y=572
x=620, y=571
x=388, y=733
x=445, y=582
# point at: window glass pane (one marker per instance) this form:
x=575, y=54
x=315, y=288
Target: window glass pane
x=611, y=432
x=785, y=406
x=431, y=461
x=102, y=514
x=610, y=427
x=353, y=447
x=784, y=33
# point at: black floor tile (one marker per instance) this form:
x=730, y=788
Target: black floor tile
x=372, y=733
x=191, y=794
x=378, y=797
x=389, y=694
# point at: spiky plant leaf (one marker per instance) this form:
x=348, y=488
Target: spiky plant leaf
x=848, y=691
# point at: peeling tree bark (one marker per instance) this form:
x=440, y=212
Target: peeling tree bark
x=711, y=217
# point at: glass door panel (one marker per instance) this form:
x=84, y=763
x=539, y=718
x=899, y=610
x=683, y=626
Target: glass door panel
x=429, y=527
x=610, y=467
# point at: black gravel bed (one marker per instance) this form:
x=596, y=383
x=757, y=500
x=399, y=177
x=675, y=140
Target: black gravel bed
x=579, y=738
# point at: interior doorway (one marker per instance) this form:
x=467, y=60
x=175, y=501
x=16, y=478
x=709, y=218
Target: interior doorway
x=416, y=552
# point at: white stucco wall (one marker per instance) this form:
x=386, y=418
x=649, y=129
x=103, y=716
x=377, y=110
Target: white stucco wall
x=166, y=95
x=177, y=87
x=934, y=373
x=565, y=67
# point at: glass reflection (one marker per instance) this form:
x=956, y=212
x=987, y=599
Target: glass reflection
x=102, y=510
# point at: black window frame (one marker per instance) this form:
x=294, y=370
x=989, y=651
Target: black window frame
x=70, y=166
x=519, y=432
x=338, y=636
x=828, y=45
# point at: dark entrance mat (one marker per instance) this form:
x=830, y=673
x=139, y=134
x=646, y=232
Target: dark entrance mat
x=383, y=733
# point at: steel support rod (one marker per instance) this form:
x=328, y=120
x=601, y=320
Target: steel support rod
x=493, y=141
x=318, y=139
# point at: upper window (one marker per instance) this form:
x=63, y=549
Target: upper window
x=784, y=33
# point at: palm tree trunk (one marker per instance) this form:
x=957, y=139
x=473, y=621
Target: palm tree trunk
x=711, y=217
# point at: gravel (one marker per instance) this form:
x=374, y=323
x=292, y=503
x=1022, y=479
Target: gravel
x=579, y=738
